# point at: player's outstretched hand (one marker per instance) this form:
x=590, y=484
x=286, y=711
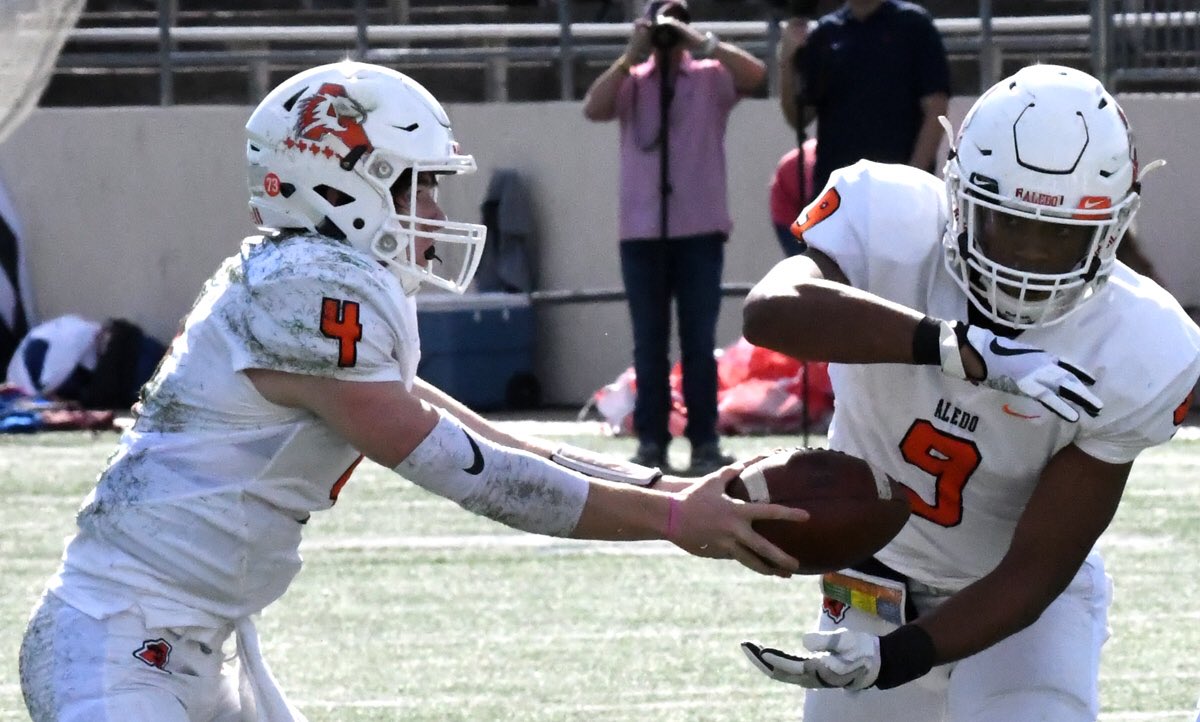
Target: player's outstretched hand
x=1021, y=369
x=841, y=658
x=708, y=523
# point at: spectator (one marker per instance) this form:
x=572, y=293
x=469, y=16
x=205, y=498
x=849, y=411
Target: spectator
x=674, y=214
x=875, y=76
x=785, y=195
x=297, y=360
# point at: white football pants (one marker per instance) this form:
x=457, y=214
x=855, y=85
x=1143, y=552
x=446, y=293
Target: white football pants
x=1047, y=671
x=78, y=669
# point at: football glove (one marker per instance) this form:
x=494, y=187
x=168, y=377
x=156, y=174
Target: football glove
x=1020, y=369
x=840, y=659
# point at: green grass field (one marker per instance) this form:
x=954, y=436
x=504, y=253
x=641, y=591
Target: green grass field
x=411, y=609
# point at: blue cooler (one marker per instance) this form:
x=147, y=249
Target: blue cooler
x=479, y=348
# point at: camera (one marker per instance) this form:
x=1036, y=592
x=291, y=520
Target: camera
x=663, y=35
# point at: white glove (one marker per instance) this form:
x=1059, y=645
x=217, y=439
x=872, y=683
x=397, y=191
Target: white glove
x=842, y=658
x=1020, y=369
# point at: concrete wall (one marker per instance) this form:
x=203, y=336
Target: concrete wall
x=127, y=210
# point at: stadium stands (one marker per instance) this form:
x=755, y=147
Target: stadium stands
x=117, y=55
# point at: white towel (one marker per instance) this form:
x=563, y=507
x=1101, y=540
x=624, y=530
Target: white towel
x=262, y=700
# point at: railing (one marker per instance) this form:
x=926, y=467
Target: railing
x=1120, y=46
x=1147, y=41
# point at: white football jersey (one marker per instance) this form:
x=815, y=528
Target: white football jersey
x=970, y=455
x=197, y=518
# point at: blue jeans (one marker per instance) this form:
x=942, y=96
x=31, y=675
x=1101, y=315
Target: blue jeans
x=689, y=270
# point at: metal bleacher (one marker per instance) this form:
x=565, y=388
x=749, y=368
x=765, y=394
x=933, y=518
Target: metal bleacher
x=151, y=52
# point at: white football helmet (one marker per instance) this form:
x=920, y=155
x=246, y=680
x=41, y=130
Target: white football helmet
x=1050, y=144
x=324, y=150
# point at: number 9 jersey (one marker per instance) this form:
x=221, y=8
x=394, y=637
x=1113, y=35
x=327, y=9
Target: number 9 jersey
x=971, y=456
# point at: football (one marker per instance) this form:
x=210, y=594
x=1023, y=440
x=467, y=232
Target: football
x=853, y=510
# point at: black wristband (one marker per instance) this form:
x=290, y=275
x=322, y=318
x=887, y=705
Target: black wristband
x=904, y=655
x=926, y=342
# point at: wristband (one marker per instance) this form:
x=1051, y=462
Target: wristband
x=672, y=518
x=904, y=655
x=939, y=343
x=927, y=342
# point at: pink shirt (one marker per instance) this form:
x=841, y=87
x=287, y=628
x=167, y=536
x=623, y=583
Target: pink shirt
x=704, y=96
x=785, y=184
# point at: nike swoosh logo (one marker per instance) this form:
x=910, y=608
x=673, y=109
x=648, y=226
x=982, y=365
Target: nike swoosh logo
x=999, y=350
x=1018, y=414
x=1092, y=204
x=477, y=463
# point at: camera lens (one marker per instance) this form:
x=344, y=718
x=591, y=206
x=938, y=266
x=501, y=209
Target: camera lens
x=663, y=36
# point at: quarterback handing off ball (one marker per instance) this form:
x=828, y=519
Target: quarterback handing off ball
x=854, y=509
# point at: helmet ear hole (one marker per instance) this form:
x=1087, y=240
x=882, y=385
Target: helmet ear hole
x=358, y=224
x=335, y=197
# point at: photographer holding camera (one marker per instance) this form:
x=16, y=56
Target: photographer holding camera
x=674, y=211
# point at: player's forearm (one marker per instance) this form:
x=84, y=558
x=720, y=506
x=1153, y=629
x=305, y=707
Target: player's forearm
x=985, y=613
x=618, y=512
x=820, y=320
x=1046, y=553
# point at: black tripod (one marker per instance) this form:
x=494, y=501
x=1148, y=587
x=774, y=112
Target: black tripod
x=802, y=10
x=666, y=93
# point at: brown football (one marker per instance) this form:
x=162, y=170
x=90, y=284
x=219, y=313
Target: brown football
x=851, y=516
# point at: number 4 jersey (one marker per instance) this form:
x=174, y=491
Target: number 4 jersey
x=970, y=455
x=197, y=518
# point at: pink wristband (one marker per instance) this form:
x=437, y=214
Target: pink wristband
x=672, y=518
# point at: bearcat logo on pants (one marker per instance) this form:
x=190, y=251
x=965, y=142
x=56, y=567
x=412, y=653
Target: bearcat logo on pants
x=331, y=112
x=834, y=609
x=154, y=652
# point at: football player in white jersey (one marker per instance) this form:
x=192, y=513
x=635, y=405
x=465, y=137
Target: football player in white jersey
x=298, y=359
x=989, y=352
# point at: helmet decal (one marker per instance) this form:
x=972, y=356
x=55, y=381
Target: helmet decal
x=1040, y=198
x=331, y=112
